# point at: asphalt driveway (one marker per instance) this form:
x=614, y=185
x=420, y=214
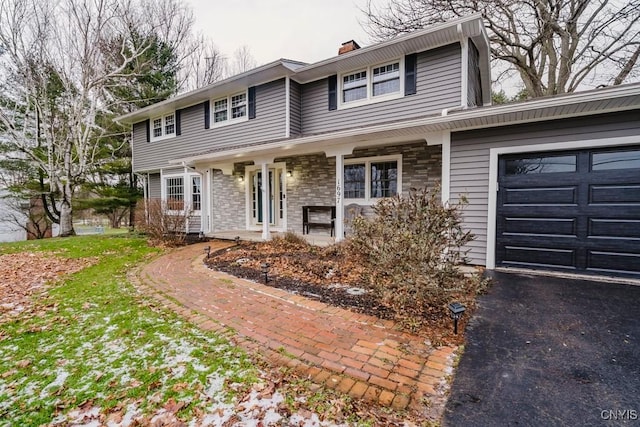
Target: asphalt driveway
x=550, y=351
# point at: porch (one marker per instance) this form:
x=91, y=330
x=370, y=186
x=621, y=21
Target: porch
x=256, y=236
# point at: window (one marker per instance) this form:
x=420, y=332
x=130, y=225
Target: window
x=230, y=109
x=384, y=179
x=354, y=86
x=164, y=127
x=220, y=111
x=354, y=181
x=628, y=159
x=196, y=193
x=386, y=79
x=372, y=178
x=373, y=84
x=175, y=193
x=541, y=164
x=239, y=106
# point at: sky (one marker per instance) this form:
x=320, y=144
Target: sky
x=302, y=30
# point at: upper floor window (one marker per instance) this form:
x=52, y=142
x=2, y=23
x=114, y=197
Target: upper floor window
x=372, y=84
x=163, y=127
x=230, y=109
x=372, y=178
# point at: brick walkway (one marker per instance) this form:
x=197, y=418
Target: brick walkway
x=354, y=353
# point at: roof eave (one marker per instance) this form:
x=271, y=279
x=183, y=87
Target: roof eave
x=263, y=74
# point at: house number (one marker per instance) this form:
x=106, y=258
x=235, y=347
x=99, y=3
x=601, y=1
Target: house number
x=338, y=190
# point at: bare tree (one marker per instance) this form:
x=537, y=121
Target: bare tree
x=57, y=63
x=243, y=60
x=206, y=65
x=554, y=46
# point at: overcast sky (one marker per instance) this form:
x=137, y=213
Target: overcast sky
x=302, y=30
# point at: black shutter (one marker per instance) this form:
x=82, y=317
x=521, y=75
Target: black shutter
x=410, y=74
x=207, y=112
x=333, y=92
x=178, y=122
x=252, y=102
x=147, y=123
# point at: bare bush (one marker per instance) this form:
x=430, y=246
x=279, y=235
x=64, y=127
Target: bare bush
x=413, y=246
x=164, y=221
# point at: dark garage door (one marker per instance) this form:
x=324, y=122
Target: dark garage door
x=575, y=211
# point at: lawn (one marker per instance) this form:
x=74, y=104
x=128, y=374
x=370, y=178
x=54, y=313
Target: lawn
x=86, y=348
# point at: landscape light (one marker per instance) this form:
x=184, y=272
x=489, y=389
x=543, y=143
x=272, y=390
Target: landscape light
x=264, y=267
x=456, y=310
x=207, y=250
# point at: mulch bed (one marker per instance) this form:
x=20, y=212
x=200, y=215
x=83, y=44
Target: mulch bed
x=327, y=275
x=323, y=274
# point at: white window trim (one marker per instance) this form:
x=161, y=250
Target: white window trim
x=164, y=135
x=368, y=200
x=370, y=99
x=230, y=120
x=187, y=191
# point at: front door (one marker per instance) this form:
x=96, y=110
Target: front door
x=276, y=195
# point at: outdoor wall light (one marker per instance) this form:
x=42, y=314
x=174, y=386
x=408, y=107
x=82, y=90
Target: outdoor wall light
x=264, y=267
x=207, y=250
x=240, y=178
x=456, y=310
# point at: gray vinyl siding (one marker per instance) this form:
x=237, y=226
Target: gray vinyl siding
x=438, y=86
x=269, y=124
x=474, y=87
x=155, y=186
x=470, y=159
x=195, y=224
x=295, y=105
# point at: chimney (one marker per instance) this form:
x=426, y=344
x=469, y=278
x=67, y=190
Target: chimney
x=348, y=47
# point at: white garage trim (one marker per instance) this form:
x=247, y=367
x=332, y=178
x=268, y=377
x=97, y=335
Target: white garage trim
x=494, y=153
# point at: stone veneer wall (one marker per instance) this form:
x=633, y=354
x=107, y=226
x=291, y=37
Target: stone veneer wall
x=313, y=178
x=313, y=182
x=229, y=200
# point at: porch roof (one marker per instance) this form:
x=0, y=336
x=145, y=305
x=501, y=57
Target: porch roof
x=430, y=128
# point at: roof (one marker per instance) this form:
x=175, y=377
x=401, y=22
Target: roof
x=429, y=38
x=597, y=101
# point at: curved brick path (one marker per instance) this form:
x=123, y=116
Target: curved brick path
x=354, y=353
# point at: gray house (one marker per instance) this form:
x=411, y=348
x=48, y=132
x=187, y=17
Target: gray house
x=552, y=183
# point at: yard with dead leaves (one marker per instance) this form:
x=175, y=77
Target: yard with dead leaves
x=80, y=346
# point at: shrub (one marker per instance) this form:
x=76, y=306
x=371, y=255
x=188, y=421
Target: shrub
x=161, y=224
x=412, y=246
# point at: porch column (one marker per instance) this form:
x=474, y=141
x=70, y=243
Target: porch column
x=266, y=234
x=339, y=225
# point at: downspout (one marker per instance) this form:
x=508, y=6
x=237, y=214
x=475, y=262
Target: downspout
x=287, y=109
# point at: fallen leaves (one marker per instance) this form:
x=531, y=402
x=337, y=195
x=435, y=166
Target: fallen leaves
x=24, y=274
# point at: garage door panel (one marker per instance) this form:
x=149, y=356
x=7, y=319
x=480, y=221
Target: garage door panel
x=541, y=196
x=540, y=226
x=613, y=262
x=540, y=257
x=614, y=228
x=614, y=194
x=581, y=216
